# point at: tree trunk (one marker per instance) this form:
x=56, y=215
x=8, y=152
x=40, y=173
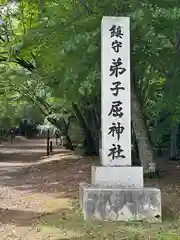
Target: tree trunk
x=173, y=141
x=92, y=122
x=134, y=149
x=68, y=142
x=144, y=144
x=89, y=142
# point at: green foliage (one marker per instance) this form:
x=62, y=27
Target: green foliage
x=51, y=55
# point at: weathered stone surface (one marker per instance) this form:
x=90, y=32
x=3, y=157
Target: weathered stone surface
x=121, y=204
x=124, y=176
x=108, y=98
x=82, y=186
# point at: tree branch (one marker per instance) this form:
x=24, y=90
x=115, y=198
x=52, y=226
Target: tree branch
x=25, y=64
x=2, y=39
x=89, y=11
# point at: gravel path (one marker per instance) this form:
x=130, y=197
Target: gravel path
x=23, y=195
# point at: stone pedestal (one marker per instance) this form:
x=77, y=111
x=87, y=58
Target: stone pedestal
x=82, y=186
x=124, y=176
x=118, y=194
x=120, y=204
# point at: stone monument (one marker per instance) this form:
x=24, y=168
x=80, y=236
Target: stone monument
x=117, y=189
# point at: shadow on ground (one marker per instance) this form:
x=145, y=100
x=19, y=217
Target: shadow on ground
x=31, y=170
x=60, y=175
x=18, y=217
x=29, y=151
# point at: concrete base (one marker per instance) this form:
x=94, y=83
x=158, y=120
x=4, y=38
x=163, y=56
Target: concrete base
x=125, y=176
x=120, y=204
x=82, y=186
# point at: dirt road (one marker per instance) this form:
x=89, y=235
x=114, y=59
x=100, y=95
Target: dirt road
x=33, y=185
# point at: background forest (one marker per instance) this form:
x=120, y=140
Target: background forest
x=50, y=69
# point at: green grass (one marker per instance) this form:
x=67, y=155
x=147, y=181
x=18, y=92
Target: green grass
x=69, y=224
